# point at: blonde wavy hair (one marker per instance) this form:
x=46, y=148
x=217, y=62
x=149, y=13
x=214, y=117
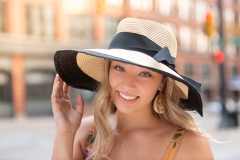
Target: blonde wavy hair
x=103, y=106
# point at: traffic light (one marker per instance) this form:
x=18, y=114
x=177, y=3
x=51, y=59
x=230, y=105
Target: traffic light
x=219, y=56
x=208, y=27
x=101, y=6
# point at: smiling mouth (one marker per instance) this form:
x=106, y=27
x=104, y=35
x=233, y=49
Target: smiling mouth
x=127, y=97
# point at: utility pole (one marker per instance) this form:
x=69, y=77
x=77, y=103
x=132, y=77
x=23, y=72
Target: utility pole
x=227, y=119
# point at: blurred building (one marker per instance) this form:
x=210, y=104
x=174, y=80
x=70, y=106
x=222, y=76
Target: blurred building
x=31, y=32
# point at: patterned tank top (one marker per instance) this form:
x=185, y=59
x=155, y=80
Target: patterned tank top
x=168, y=155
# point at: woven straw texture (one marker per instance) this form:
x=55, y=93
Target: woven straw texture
x=84, y=68
x=155, y=31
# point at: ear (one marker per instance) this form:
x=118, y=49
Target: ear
x=162, y=84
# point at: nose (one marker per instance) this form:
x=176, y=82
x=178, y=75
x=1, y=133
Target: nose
x=129, y=82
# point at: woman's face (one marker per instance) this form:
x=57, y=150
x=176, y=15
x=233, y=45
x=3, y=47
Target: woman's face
x=132, y=88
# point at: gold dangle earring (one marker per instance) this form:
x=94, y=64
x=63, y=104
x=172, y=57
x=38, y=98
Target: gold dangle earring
x=160, y=103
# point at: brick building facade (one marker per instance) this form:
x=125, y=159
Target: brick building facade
x=31, y=32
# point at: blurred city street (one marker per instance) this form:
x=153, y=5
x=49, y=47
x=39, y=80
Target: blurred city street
x=31, y=138
x=208, y=50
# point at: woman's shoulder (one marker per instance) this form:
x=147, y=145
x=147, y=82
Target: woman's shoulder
x=81, y=136
x=194, y=146
x=86, y=122
x=85, y=126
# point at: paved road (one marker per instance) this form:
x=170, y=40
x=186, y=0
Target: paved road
x=32, y=138
x=222, y=151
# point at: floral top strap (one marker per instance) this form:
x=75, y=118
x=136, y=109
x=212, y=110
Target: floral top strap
x=174, y=144
x=90, y=140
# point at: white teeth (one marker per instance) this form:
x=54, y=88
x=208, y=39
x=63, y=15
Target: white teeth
x=127, y=97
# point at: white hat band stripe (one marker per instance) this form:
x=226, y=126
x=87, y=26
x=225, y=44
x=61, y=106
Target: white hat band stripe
x=135, y=57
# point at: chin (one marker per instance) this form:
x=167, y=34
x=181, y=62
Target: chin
x=124, y=109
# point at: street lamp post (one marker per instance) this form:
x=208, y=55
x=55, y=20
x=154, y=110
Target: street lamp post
x=228, y=119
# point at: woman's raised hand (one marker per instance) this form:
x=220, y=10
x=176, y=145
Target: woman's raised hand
x=67, y=120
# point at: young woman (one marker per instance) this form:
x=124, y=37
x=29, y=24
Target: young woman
x=140, y=103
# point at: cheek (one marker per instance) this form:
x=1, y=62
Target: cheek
x=149, y=91
x=113, y=80
x=149, y=88
x=149, y=84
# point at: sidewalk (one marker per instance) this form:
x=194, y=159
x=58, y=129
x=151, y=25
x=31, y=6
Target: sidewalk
x=32, y=138
x=222, y=151
x=26, y=138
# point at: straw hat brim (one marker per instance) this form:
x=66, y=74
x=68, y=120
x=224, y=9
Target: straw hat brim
x=84, y=69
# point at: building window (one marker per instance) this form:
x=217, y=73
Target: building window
x=166, y=7
x=111, y=28
x=5, y=89
x=2, y=17
x=40, y=21
x=239, y=17
x=205, y=69
x=76, y=6
x=116, y=3
x=39, y=89
x=39, y=84
x=186, y=39
x=188, y=69
x=229, y=1
x=6, y=109
x=200, y=11
x=230, y=50
x=229, y=16
x=142, y=5
x=205, y=74
x=215, y=16
x=234, y=71
x=202, y=42
x=81, y=27
x=184, y=8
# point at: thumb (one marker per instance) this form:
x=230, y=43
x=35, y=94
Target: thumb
x=80, y=104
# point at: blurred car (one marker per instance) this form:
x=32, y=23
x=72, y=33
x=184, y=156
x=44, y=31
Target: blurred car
x=234, y=83
x=216, y=106
x=213, y=107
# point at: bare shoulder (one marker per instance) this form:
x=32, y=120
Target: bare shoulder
x=84, y=128
x=80, y=140
x=194, y=147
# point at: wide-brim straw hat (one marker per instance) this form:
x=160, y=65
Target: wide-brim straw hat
x=140, y=42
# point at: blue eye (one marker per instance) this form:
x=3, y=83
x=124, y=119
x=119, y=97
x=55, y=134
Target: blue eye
x=119, y=68
x=145, y=74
